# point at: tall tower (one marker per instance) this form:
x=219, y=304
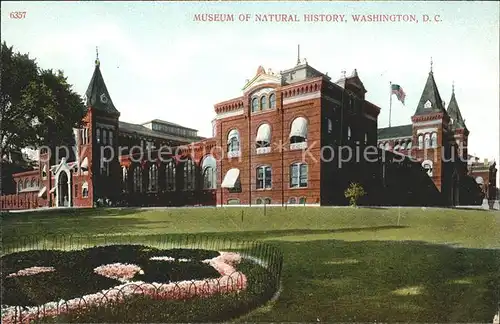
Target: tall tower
x=102, y=122
x=431, y=136
x=457, y=126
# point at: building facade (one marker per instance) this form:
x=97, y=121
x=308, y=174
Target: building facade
x=293, y=137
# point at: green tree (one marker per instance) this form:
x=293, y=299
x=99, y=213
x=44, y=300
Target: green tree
x=354, y=192
x=34, y=103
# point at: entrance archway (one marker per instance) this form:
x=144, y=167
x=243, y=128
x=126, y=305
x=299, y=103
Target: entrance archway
x=63, y=195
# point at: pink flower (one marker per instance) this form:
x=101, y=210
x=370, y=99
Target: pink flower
x=31, y=271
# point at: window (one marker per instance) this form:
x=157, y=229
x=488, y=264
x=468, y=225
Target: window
x=44, y=172
x=110, y=138
x=272, y=101
x=233, y=201
x=104, y=137
x=153, y=178
x=20, y=185
x=258, y=201
x=330, y=126
x=255, y=104
x=397, y=146
x=292, y=201
x=267, y=201
x=26, y=183
x=427, y=140
x=298, y=131
x=263, y=139
x=104, y=167
x=302, y=200
x=403, y=146
x=381, y=146
x=263, y=103
x=427, y=165
x=189, y=177
x=434, y=140
x=170, y=175
x=420, y=141
x=125, y=179
x=349, y=133
x=33, y=183
x=298, y=175
x=209, y=172
x=85, y=190
x=387, y=146
x=233, y=143
x=264, y=177
x=138, y=178
x=98, y=135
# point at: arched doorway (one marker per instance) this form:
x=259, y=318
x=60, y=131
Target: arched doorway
x=63, y=195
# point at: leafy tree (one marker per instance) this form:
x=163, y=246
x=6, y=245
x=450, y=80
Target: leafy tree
x=354, y=192
x=37, y=107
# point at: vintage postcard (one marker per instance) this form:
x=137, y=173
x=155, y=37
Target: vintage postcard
x=250, y=162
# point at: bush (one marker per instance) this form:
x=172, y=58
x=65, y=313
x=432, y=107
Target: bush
x=354, y=192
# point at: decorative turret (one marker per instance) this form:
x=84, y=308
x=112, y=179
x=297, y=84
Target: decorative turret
x=430, y=100
x=457, y=121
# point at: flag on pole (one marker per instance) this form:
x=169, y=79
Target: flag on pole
x=398, y=91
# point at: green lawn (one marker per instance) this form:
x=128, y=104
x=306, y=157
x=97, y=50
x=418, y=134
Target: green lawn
x=341, y=264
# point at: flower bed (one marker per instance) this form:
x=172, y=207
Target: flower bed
x=44, y=284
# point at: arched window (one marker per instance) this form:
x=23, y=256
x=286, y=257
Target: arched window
x=298, y=131
x=104, y=137
x=255, y=104
x=85, y=190
x=427, y=140
x=233, y=201
x=110, y=138
x=138, y=178
x=233, y=142
x=298, y=175
x=330, y=126
x=125, y=178
x=26, y=183
x=264, y=177
x=409, y=145
x=349, y=133
x=33, y=183
x=44, y=172
x=153, y=178
x=258, y=201
x=387, y=146
x=267, y=201
x=397, y=146
x=263, y=103
x=272, y=101
x=366, y=138
x=20, y=185
x=302, y=200
x=292, y=201
x=434, y=140
x=209, y=166
x=403, y=146
x=263, y=138
x=189, y=176
x=381, y=146
x=170, y=175
x=98, y=135
x=420, y=141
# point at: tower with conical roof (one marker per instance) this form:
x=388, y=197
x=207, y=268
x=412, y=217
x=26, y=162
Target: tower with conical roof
x=432, y=140
x=457, y=126
x=99, y=151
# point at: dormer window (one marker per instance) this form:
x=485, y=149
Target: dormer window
x=428, y=104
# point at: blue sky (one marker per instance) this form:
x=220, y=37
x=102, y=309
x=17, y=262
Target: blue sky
x=159, y=63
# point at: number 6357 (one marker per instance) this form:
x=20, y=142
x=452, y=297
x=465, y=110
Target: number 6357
x=18, y=14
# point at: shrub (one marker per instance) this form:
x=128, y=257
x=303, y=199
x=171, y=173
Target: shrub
x=354, y=192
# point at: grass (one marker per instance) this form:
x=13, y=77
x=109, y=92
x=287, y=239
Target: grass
x=340, y=264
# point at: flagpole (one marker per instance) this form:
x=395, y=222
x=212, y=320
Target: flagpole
x=390, y=102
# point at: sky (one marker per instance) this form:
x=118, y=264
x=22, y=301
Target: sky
x=158, y=62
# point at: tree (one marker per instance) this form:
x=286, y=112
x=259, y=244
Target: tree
x=33, y=104
x=354, y=192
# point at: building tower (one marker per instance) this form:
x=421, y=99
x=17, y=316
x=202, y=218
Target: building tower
x=101, y=141
x=432, y=140
x=457, y=126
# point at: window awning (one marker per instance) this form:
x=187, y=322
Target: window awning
x=299, y=127
x=42, y=191
x=264, y=133
x=52, y=190
x=231, y=178
x=85, y=163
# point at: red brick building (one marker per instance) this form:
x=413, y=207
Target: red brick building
x=294, y=137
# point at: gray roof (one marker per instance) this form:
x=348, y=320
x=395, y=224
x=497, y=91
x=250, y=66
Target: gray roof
x=431, y=94
x=395, y=131
x=144, y=131
x=454, y=112
x=161, y=121
x=97, y=94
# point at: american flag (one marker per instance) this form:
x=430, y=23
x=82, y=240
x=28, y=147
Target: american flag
x=398, y=91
